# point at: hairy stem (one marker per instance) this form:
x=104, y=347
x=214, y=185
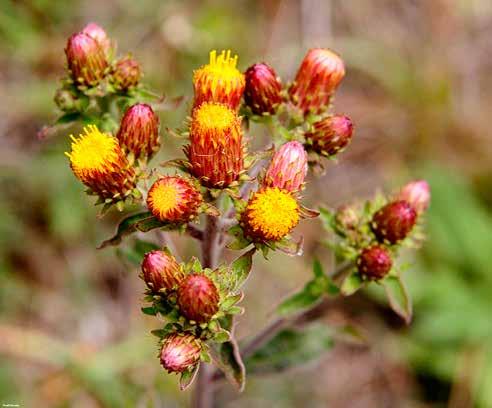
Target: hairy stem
x=204, y=391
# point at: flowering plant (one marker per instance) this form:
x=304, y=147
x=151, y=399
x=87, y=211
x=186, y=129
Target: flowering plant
x=226, y=196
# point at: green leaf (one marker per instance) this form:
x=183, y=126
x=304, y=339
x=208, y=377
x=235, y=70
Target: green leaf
x=231, y=301
x=221, y=336
x=318, y=269
x=241, y=267
x=328, y=217
x=290, y=348
x=240, y=241
x=398, y=297
x=227, y=357
x=187, y=377
x=68, y=118
x=149, y=310
x=143, y=221
x=308, y=296
x=351, y=284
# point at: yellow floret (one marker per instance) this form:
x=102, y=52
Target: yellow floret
x=272, y=213
x=92, y=152
x=214, y=116
x=163, y=198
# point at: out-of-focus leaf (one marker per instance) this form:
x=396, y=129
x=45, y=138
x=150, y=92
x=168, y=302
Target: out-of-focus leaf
x=227, y=357
x=398, y=297
x=290, y=348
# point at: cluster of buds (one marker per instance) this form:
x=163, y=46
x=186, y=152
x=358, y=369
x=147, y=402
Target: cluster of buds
x=392, y=224
x=93, y=70
x=192, y=295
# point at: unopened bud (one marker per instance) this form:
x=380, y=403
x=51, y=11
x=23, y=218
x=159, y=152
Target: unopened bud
x=126, y=74
x=139, y=131
x=330, y=135
x=393, y=222
x=86, y=60
x=319, y=75
x=417, y=194
x=161, y=271
x=97, y=32
x=347, y=217
x=180, y=352
x=262, y=92
x=288, y=168
x=65, y=100
x=198, y=298
x=374, y=262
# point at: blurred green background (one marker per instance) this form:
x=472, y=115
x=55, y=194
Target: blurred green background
x=419, y=90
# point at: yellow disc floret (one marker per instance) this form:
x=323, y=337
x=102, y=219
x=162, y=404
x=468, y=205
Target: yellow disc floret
x=164, y=198
x=214, y=116
x=98, y=161
x=173, y=199
x=219, y=81
x=93, y=152
x=270, y=215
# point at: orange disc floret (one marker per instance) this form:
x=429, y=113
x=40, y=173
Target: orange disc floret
x=319, y=75
x=219, y=81
x=173, y=199
x=98, y=161
x=270, y=215
x=215, y=151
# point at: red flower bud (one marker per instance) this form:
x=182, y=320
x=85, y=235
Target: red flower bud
x=393, y=222
x=263, y=87
x=198, y=298
x=173, y=199
x=126, y=74
x=180, y=352
x=161, y=271
x=139, y=131
x=86, y=59
x=330, y=135
x=318, y=77
x=97, y=33
x=288, y=168
x=374, y=262
x=417, y=194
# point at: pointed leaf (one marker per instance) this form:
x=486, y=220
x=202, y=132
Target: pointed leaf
x=227, y=357
x=398, y=297
x=241, y=267
x=187, y=377
x=143, y=222
x=351, y=284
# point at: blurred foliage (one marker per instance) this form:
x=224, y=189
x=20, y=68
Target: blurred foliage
x=419, y=91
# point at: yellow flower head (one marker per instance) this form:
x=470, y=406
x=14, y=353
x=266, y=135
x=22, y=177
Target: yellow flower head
x=219, y=81
x=173, y=199
x=215, y=150
x=270, y=215
x=98, y=161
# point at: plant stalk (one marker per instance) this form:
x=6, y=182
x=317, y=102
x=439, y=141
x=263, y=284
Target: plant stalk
x=211, y=249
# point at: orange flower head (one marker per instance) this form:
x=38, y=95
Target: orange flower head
x=173, y=199
x=318, y=77
x=215, y=151
x=98, y=161
x=219, y=81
